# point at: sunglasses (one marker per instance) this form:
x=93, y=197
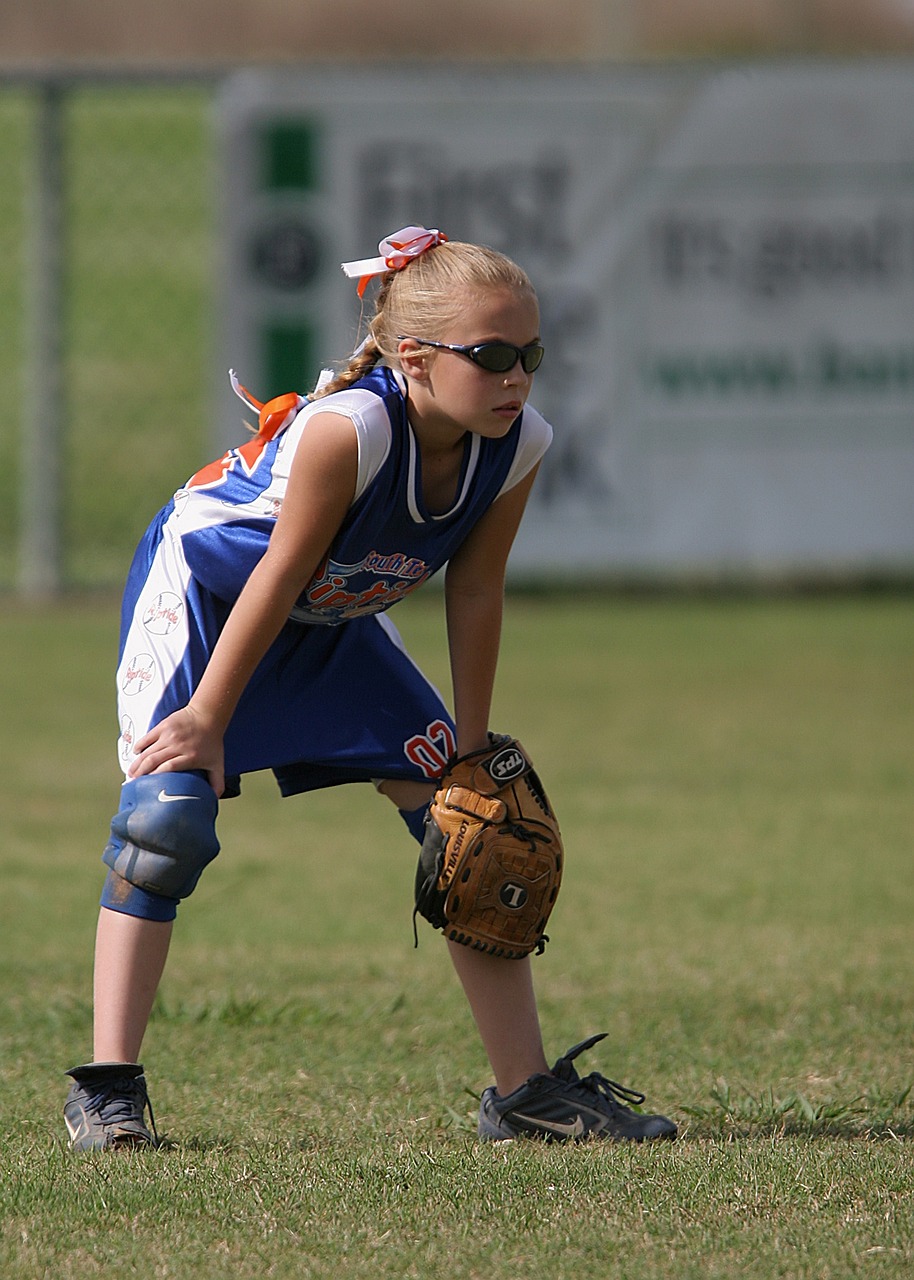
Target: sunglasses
x=494, y=357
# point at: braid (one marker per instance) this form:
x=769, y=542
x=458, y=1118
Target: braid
x=359, y=363
x=366, y=355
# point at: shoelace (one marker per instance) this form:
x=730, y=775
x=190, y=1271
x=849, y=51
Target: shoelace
x=614, y=1093
x=115, y=1102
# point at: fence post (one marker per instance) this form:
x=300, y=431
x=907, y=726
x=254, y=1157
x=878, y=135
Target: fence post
x=44, y=398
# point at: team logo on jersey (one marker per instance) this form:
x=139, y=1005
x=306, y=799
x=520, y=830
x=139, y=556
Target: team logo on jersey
x=340, y=591
x=127, y=739
x=139, y=673
x=163, y=614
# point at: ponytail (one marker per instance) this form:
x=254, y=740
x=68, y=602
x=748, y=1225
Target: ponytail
x=366, y=355
x=422, y=290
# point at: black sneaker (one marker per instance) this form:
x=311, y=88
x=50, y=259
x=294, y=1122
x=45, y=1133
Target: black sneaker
x=562, y=1107
x=105, y=1105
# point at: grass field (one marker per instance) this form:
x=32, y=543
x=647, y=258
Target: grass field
x=735, y=784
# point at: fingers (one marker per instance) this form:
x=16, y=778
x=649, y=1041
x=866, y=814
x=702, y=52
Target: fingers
x=179, y=744
x=164, y=739
x=162, y=749
x=161, y=761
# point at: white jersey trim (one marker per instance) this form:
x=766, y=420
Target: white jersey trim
x=413, y=494
x=535, y=439
x=368, y=415
x=373, y=426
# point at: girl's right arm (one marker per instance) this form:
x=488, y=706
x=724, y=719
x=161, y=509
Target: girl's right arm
x=319, y=492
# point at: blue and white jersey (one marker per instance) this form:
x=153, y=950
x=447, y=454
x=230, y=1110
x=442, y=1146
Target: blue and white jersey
x=346, y=699
x=389, y=542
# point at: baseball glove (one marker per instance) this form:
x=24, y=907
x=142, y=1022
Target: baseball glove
x=491, y=861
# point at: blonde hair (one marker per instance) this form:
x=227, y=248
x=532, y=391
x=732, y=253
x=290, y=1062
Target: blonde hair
x=425, y=298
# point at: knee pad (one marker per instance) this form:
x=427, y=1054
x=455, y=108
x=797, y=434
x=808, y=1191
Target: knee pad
x=164, y=833
x=125, y=898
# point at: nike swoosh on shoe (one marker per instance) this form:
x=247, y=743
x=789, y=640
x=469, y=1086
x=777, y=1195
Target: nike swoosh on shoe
x=575, y=1130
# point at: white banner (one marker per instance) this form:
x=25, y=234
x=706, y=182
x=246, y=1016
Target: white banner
x=725, y=262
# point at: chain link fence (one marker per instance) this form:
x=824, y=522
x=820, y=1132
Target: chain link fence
x=126, y=296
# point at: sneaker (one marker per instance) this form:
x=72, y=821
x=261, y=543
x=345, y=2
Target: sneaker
x=105, y=1106
x=562, y=1107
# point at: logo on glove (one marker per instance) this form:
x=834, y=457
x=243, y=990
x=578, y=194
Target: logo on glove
x=513, y=896
x=506, y=765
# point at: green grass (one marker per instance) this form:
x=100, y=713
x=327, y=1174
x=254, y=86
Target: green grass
x=734, y=780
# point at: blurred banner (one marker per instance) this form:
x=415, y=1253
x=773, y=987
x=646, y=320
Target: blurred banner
x=725, y=262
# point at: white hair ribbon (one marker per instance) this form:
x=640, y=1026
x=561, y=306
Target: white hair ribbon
x=399, y=248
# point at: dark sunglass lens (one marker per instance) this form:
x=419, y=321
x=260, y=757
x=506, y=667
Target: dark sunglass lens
x=496, y=357
x=499, y=357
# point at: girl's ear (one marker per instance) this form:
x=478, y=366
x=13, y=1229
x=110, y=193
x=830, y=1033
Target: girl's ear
x=413, y=361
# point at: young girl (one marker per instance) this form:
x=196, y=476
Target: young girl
x=254, y=637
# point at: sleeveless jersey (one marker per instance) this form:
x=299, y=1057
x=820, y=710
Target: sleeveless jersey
x=388, y=543
x=336, y=697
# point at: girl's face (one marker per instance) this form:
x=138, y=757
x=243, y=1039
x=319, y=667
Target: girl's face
x=448, y=393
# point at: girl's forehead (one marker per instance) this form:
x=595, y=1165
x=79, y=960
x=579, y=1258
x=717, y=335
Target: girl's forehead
x=495, y=306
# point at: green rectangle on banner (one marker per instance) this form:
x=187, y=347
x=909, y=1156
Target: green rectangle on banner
x=290, y=160
x=288, y=358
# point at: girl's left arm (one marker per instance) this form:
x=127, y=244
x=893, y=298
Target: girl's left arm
x=474, y=600
x=319, y=492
